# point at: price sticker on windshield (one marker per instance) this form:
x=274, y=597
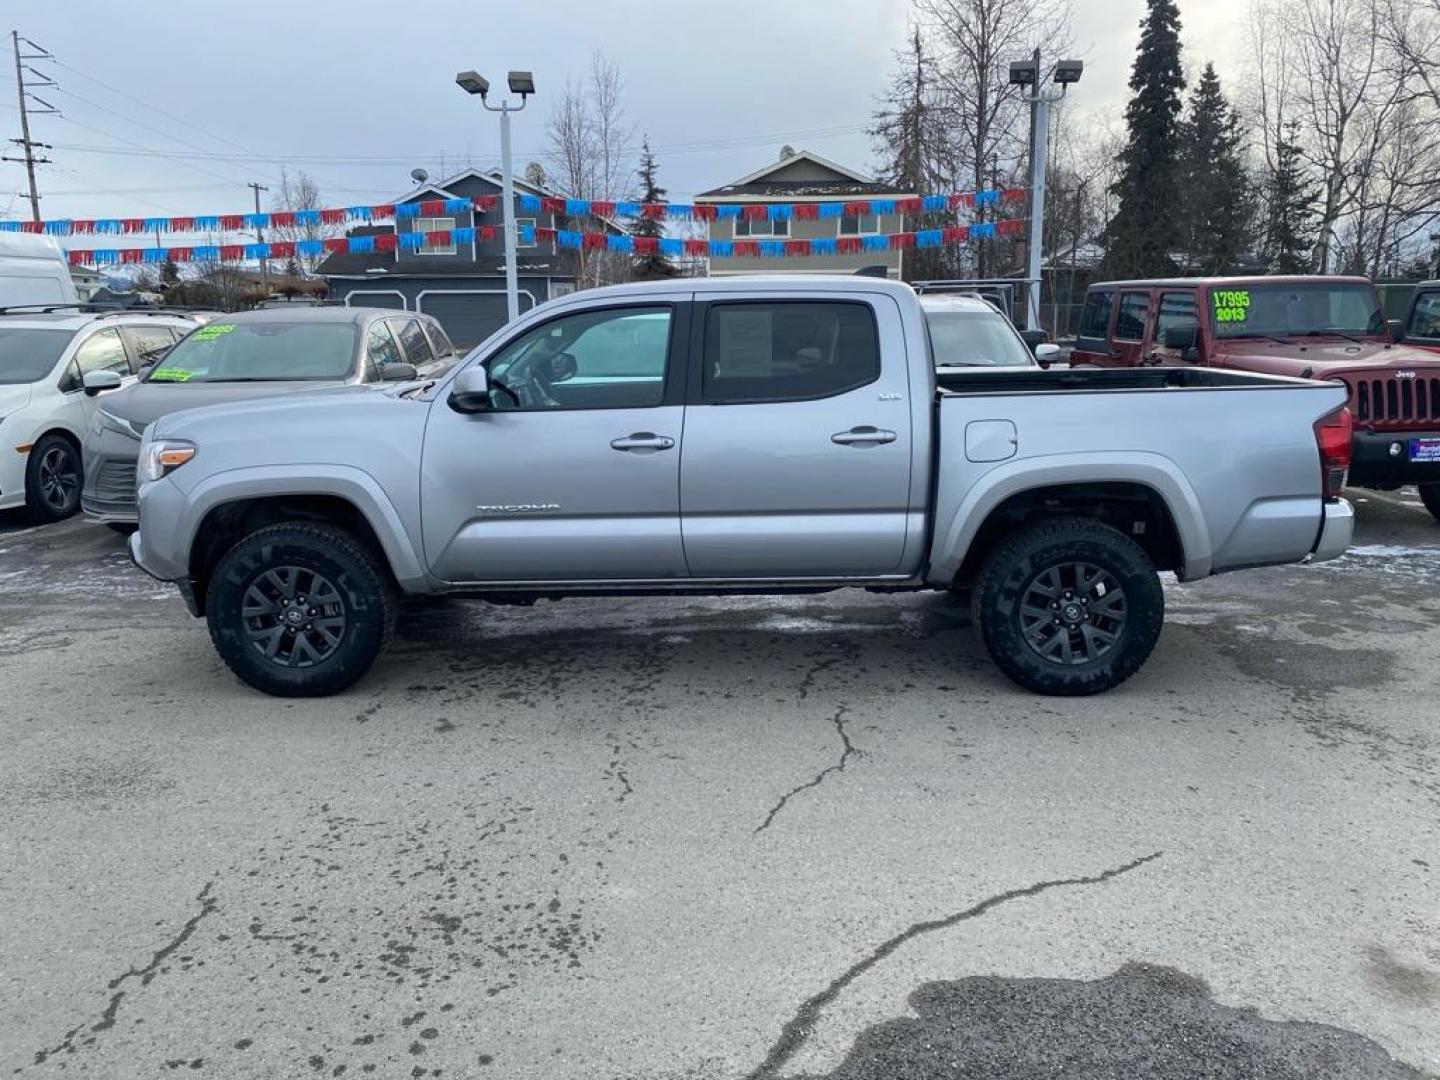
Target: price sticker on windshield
x=169, y=375
x=214, y=330
x=1231, y=305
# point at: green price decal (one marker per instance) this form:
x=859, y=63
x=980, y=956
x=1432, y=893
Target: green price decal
x=1231, y=305
x=214, y=330
x=169, y=375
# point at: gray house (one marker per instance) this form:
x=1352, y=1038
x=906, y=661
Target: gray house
x=461, y=284
x=800, y=177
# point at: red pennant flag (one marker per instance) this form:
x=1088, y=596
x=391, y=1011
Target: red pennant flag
x=438, y=238
x=282, y=249
x=551, y=205
x=652, y=211
x=182, y=224
x=797, y=247
x=955, y=234
x=542, y=232
x=232, y=252
x=487, y=232
x=848, y=245
x=647, y=245
x=32, y=226
x=754, y=212
x=332, y=216
x=703, y=212
x=180, y=254
x=908, y=206
x=746, y=249
x=385, y=242
x=484, y=203
x=130, y=225
x=336, y=243
x=963, y=198
x=231, y=222
x=1010, y=227
x=593, y=241
x=902, y=240
x=697, y=247
x=132, y=255
x=858, y=208
x=77, y=257
x=431, y=207
x=602, y=208
x=805, y=211
x=283, y=219
x=383, y=210
x=1013, y=194
x=82, y=226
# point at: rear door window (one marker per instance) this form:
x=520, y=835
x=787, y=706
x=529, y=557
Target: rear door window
x=149, y=343
x=102, y=351
x=1095, y=315
x=417, y=345
x=443, y=349
x=788, y=351
x=1177, y=309
x=1130, y=322
x=381, y=348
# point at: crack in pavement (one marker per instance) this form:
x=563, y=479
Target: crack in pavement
x=808, y=683
x=848, y=751
x=208, y=904
x=797, y=1029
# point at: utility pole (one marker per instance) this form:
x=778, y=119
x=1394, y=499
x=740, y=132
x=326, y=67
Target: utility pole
x=259, y=235
x=25, y=143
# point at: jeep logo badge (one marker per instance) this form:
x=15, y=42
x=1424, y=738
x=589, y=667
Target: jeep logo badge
x=1404, y=374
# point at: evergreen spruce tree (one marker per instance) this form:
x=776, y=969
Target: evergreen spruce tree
x=650, y=267
x=1217, y=195
x=1290, y=210
x=169, y=272
x=1146, y=227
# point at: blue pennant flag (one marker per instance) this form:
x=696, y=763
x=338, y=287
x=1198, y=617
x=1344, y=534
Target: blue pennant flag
x=529, y=203
x=309, y=248
x=932, y=204
x=205, y=253
x=358, y=213
x=157, y=224
x=825, y=245
x=463, y=235
x=671, y=247
x=58, y=228
x=577, y=207
x=107, y=225
x=772, y=248
x=407, y=209
x=928, y=238
x=360, y=245
x=721, y=249
x=457, y=206
x=410, y=241
x=778, y=211
x=208, y=223
x=155, y=255
x=982, y=230
x=257, y=251
x=832, y=210
x=727, y=211
x=621, y=243
x=568, y=238
x=9, y=226
x=256, y=221
x=882, y=206
x=679, y=210
x=307, y=217
x=627, y=209
x=875, y=243
x=987, y=197
x=104, y=256
x=525, y=234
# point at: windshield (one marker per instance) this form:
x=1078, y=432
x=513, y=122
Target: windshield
x=1257, y=310
x=28, y=355
x=974, y=339
x=1425, y=318
x=260, y=351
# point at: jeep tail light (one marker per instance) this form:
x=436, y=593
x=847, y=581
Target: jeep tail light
x=1332, y=437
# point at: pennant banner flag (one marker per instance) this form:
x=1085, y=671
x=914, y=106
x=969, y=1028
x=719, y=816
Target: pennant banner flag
x=622, y=243
x=529, y=204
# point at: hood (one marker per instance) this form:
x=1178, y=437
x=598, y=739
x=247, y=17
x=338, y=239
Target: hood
x=259, y=411
x=13, y=397
x=145, y=402
x=1324, y=357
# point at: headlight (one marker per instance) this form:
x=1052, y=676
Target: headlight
x=162, y=457
x=105, y=421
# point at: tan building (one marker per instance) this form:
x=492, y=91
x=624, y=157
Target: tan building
x=803, y=177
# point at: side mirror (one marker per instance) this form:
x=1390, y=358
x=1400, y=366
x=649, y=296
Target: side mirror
x=1397, y=329
x=398, y=372
x=470, y=392
x=97, y=382
x=1179, y=337
x=1033, y=338
x=1046, y=353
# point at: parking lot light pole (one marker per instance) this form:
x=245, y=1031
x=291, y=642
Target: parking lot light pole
x=1027, y=73
x=523, y=84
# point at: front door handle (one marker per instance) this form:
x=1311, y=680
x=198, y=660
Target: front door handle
x=643, y=442
x=864, y=435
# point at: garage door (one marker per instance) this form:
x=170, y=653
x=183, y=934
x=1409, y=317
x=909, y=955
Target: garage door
x=469, y=317
x=385, y=298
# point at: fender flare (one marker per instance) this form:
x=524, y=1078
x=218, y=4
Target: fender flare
x=355, y=486
x=954, y=536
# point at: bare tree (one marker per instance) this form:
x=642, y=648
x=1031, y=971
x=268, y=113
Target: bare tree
x=1412, y=29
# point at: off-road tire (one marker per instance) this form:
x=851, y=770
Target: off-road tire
x=40, y=507
x=1011, y=569
x=358, y=577
x=1430, y=496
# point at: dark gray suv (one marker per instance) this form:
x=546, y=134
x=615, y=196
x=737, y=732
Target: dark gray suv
x=249, y=355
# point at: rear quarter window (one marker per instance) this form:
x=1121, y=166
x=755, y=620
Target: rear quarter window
x=1095, y=315
x=1425, y=318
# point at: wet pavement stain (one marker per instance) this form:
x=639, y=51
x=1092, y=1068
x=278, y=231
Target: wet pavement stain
x=1145, y=1022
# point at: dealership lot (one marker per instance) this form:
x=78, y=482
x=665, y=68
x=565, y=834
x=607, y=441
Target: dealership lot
x=724, y=837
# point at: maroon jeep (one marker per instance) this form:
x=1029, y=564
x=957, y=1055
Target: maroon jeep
x=1311, y=327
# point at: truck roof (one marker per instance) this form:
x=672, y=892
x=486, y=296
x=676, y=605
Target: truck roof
x=830, y=283
x=1254, y=279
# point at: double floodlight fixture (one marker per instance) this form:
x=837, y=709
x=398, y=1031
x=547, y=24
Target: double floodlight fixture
x=472, y=82
x=1027, y=72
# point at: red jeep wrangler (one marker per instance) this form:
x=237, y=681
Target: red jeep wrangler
x=1312, y=327
x=1422, y=321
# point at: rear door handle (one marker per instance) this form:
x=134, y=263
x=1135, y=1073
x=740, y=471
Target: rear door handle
x=643, y=442
x=864, y=435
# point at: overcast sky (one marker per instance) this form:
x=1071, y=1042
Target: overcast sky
x=331, y=87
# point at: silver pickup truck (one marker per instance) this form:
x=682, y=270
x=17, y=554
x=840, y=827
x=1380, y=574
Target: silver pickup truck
x=759, y=435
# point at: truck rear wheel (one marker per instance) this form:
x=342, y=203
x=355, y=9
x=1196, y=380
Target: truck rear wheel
x=1430, y=496
x=299, y=610
x=1069, y=606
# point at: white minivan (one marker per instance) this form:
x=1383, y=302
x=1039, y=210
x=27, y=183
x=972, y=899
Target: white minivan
x=33, y=271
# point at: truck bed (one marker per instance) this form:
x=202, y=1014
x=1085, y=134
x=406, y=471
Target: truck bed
x=1063, y=380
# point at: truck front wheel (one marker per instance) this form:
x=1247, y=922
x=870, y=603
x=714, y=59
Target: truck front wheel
x=299, y=609
x=1069, y=606
x=1430, y=496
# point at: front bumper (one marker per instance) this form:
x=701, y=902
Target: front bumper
x=109, y=492
x=1375, y=460
x=1337, y=527
x=184, y=584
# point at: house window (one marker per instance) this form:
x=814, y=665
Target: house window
x=858, y=224
x=435, y=224
x=522, y=224
x=762, y=229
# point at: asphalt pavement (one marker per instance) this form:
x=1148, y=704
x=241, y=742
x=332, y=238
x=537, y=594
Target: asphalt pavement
x=725, y=838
